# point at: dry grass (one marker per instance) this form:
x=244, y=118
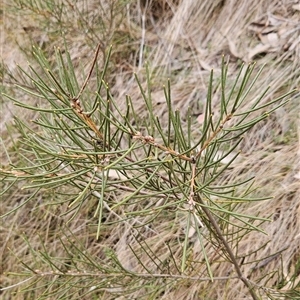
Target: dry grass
x=181, y=40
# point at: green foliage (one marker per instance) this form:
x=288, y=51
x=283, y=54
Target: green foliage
x=135, y=174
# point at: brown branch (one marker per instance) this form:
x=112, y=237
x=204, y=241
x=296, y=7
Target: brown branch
x=214, y=134
x=129, y=273
x=86, y=119
x=220, y=236
x=151, y=141
x=75, y=102
x=90, y=73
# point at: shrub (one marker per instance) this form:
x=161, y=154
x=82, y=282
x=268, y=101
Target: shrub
x=148, y=197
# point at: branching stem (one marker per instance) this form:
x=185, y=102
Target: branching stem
x=229, y=251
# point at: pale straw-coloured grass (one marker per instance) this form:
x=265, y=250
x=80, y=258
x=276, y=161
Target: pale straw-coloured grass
x=183, y=40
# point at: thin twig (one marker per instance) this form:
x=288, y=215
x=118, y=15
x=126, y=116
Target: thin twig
x=130, y=273
x=214, y=134
x=151, y=141
x=90, y=73
x=17, y=284
x=220, y=236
